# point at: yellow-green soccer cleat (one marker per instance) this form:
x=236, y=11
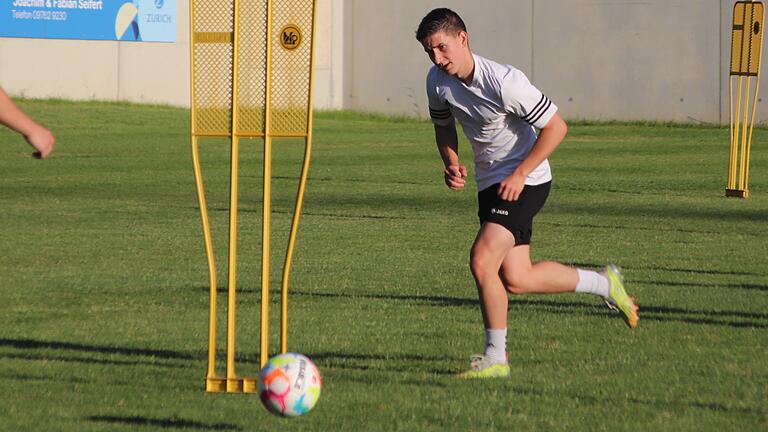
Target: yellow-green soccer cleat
x=619, y=300
x=481, y=367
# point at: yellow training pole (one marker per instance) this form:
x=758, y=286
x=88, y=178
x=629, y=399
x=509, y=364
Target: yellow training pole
x=749, y=144
x=265, y=251
x=234, y=383
x=743, y=142
x=735, y=138
x=211, y=262
x=731, y=155
x=299, y=194
x=266, y=203
x=206, y=123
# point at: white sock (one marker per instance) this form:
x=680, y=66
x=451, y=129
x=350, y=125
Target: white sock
x=592, y=282
x=496, y=345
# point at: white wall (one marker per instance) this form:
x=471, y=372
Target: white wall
x=657, y=60
x=597, y=59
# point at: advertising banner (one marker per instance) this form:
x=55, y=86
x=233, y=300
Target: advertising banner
x=120, y=20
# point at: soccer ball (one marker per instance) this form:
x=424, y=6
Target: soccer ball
x=289, y=384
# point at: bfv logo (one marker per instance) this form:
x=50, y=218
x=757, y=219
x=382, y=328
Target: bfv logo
x=290, y=37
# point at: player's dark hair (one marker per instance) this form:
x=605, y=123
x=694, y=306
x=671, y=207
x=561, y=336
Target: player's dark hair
x=440, y=19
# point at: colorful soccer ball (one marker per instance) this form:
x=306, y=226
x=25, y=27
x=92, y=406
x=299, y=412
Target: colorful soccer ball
x=289, y=384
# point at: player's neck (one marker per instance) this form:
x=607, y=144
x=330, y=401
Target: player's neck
x=467, y=75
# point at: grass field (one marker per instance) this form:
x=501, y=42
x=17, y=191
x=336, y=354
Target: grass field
x=104, y=283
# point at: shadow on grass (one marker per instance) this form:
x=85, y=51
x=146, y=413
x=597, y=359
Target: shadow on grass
x=57, y=378
x=87, y=360
x=414, y=299
x=647, y=312
x=670, y=269
x=310, y=213
x=72, y=346
x=669, y=405
x=27, y=349
x=662, y=212
x=380, y=362
x=627, y=228
x=429, y=300
x=37, y=350
x=745, y=286
x=654, y=313
x=170, y=423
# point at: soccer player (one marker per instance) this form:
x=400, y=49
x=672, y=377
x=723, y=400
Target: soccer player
x=499, y=111
x=36, y=135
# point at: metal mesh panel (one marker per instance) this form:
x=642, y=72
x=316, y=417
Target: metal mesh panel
x=746, y=38
x=290, y=66
x=252, y=77
x=212, y=63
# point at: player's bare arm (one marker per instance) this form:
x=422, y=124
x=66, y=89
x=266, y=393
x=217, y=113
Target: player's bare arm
x=549, y=139
x=448, y=146
x=36, y=135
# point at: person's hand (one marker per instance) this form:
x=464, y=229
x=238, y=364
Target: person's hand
x=511, y=187
x=42, y=140
x=454, y=176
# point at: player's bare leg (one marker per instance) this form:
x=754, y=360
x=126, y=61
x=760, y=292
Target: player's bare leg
x=499, y=266
x=520, y=276
x=492, y=245
x=486, y=257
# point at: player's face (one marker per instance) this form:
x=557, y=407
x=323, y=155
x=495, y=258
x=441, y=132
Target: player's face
x=448, y=51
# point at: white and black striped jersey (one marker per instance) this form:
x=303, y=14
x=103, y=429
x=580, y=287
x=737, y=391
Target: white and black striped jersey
x=498, y=113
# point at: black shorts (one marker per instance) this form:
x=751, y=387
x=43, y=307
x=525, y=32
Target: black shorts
x=516, y=216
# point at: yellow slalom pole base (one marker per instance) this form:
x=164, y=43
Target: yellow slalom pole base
x=215, y=384
x=737, y=193
x=231, y=385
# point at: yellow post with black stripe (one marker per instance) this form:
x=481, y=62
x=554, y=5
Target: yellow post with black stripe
x=746, y=50
x=252, y=67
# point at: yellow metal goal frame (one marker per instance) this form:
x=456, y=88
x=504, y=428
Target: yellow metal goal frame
x=746, y=50
x=252, y=76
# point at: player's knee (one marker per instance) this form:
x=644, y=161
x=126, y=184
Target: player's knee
x=480, y=264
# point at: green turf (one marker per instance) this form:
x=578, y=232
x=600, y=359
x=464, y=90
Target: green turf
x=103, y=281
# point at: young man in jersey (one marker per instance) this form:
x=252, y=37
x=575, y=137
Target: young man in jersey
x=498, y=109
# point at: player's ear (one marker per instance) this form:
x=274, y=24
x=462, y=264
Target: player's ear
x=463, y=38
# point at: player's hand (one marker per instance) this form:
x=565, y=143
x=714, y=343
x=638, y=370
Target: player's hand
x=511, y=187
x=42, y=140
x=454, y=176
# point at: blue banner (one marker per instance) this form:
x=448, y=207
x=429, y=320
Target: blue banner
x=122, y=20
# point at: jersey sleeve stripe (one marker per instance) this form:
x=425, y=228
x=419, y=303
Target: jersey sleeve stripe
x=539, y=110
x=440, y=114
x=445, y=117
x=532, y=113
x=543, y=111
